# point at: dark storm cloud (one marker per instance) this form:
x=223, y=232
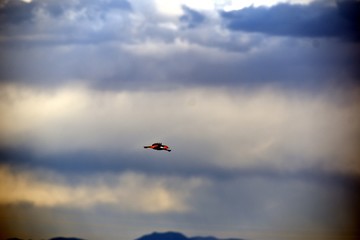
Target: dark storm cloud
x=317, y=19
x=15, y=12
x=350, y=10
x=191, y=17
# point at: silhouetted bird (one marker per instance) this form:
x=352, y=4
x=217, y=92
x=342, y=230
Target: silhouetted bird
x=159, y=146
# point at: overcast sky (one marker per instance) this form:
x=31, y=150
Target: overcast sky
x=259, y=101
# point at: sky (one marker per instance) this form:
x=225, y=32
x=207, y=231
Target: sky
x=258, y=100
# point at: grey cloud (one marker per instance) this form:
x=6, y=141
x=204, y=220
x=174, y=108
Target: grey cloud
x=191, y=17
x=90, y=8
x=17, y=11
x=285, y=205
x=92, y=163
x=51, y=23
x=114, y=66
x=115, y=50
x=317, y=19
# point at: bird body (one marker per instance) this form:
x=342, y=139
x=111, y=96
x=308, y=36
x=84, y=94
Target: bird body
x=159, y=146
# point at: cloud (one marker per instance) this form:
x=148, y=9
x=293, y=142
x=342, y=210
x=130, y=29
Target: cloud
x=267, y=128
x=129, y=191
x=131, y=202
x=240, y=4
x=317, y=19
x=120, y=49
x=191, y=17
x=17, y=11
x=248, y=61
x=52, y=22
x=257, y=122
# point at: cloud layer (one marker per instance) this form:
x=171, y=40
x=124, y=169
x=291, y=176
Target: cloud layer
x=121, y=49
x=259, y=101
x=319, y=19
x=268, y=127
x=127, y=192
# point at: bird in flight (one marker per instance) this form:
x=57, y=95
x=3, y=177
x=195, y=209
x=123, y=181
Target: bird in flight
x=159, y=146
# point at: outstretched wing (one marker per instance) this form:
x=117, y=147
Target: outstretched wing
x=158, y=146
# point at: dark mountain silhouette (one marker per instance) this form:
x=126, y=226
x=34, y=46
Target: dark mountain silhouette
x=177, y=236
x=204, y=238
x=212, y=238
x=153, y=236
x=65, y=238
x=164, y=236
x=55, y=238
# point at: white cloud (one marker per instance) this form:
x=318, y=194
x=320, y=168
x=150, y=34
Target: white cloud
x=175, y=7
x=126, y=192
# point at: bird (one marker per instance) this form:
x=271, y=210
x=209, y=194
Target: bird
x=159, y=146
